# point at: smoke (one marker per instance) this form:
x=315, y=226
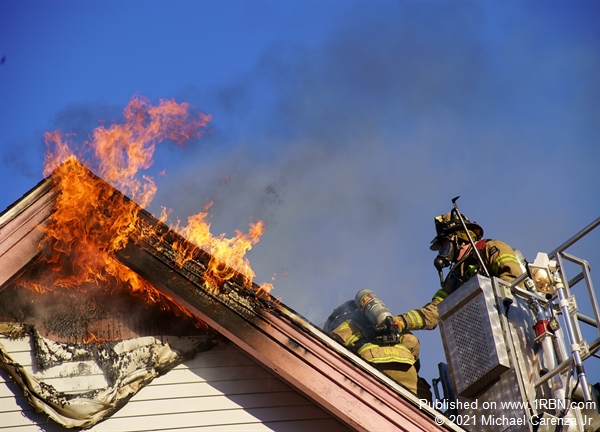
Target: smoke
x=348, y=150
x=347, y=146
x=77, y=120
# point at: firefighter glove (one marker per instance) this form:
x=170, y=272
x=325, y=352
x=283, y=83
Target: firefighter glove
x=400, y=322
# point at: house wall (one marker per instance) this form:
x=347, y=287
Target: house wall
x=219, y=390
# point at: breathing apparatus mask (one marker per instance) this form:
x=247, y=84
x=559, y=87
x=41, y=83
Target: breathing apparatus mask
x=452, y=232
x=446, y=253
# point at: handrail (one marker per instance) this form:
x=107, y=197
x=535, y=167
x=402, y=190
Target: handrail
x=575, y=238
x=573, y=316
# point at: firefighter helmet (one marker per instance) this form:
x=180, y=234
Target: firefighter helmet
x=448, y=225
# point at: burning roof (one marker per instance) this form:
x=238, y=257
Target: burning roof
x=72, y=226
x=89, y=319
x=275, y=336
x=74, y=237
x=75, y=295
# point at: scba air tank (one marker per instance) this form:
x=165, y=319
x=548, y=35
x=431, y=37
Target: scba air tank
x=372, y=307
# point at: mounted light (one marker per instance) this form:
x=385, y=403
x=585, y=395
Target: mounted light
x=540, y=273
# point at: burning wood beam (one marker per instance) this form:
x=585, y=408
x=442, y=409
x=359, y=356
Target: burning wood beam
x=261, y=327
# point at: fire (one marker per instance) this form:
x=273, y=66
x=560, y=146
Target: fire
x=91, y=221
x=92, y=338
x=227, y=254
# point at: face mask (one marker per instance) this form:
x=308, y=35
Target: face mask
x=446, y=254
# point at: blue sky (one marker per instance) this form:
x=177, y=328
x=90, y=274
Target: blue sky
x=345, y=126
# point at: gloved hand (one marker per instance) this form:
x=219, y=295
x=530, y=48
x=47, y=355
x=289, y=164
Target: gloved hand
x=400, y=322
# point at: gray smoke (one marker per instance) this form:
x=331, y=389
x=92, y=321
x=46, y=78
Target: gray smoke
x=368, y=137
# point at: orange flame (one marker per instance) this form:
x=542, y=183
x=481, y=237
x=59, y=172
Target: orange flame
x=92, y=338
x=227, y=254
x=91, y=222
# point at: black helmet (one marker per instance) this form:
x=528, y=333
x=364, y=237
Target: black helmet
x=448, y=224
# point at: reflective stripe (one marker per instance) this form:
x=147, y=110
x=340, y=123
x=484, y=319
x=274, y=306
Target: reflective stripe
x=504, y=258
x=353, y=339
x=416, y=321
x=345, y=325
x=386, y=354
x=470, y=272
x=366, y=347
x=349, y=334
x=440, y=295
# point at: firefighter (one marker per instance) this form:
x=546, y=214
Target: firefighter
x=455, y=250
x=398, y=359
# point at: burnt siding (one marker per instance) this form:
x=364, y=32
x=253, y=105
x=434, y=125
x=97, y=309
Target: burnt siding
x=219, y=390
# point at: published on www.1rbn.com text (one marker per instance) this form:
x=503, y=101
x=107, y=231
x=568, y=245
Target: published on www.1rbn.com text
x=488, y=412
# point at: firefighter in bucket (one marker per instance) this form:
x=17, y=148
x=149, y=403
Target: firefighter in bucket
x=460, y=246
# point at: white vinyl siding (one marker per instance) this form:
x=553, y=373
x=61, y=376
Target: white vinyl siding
x=219, y=390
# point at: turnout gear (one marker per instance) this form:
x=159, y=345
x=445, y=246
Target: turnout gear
x=352, y=329
x=397, y=359
x=455, y=250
